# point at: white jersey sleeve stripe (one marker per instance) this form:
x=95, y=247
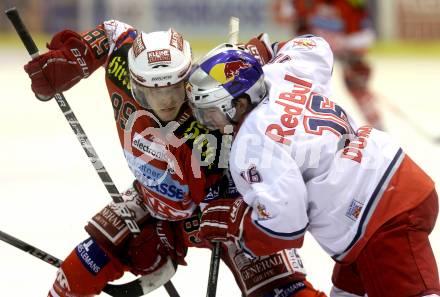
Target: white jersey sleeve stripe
x=282, y=235
x=374, y=201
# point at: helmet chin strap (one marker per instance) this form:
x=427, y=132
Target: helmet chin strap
x=235, y=101
x=230, y=114
x=232, y=121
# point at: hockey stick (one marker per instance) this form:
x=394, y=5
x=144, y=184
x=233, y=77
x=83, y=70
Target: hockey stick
x=122, y=209
x=213, y=269
x=32, y=49
x=133, y=288
x=399, y=112
x=46, y=257
x=234, y=25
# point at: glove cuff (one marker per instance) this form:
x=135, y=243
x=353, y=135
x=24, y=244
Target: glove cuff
x=238, y=211
x=260, y=47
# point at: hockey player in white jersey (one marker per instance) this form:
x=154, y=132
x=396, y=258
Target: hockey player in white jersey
x=301, y=164
x=147, y=71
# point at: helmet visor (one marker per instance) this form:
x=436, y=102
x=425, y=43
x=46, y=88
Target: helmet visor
x=160, y=97
x=139, y=93
x=211, y=117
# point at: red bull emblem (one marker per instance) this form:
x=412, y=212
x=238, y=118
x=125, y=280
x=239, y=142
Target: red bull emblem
x=305, y=43
x=225, y=72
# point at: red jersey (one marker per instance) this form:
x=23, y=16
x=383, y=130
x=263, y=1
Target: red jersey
x=162, y=157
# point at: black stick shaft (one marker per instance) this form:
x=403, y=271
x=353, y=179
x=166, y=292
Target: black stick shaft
x=113, y=290
x=42, y=255
x=15, y=19
x=171, y=290
x=213, y=270
x=32, y=49
x=115, y=195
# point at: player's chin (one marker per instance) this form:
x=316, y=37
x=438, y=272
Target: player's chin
x=168, y=114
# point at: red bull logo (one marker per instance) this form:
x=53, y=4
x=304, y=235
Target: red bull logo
x=306, y=43
x=225, y=72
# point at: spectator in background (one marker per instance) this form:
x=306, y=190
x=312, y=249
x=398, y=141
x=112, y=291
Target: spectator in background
x=345, y=24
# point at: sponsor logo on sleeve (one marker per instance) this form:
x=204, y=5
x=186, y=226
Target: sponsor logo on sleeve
x=304, y=43
x=354, y=210
x=117, y=72
x=263, y=214
x=91, y=256
x=213, y=193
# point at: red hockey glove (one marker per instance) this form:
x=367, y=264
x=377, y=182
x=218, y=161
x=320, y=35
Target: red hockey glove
x=260, y=48
x=150, y=249
x=61, y=67
x=221, y=219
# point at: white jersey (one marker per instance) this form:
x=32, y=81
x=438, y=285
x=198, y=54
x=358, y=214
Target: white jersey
x=301, y=163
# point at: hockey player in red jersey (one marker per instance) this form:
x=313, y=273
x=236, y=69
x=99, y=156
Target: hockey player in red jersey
x=346, y=25
x=145, y=75
x=301, y=164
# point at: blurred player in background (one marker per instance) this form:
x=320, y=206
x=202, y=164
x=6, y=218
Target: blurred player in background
x=145, y=75
x=301, y=164
x=346, y=25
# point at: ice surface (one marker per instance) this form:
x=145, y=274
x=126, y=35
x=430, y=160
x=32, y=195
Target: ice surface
x=49, y=189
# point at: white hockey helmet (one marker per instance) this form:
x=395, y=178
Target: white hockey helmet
x=157, y=59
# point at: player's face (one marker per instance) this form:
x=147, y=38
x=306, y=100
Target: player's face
x=164, y=101
x=213, y=118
